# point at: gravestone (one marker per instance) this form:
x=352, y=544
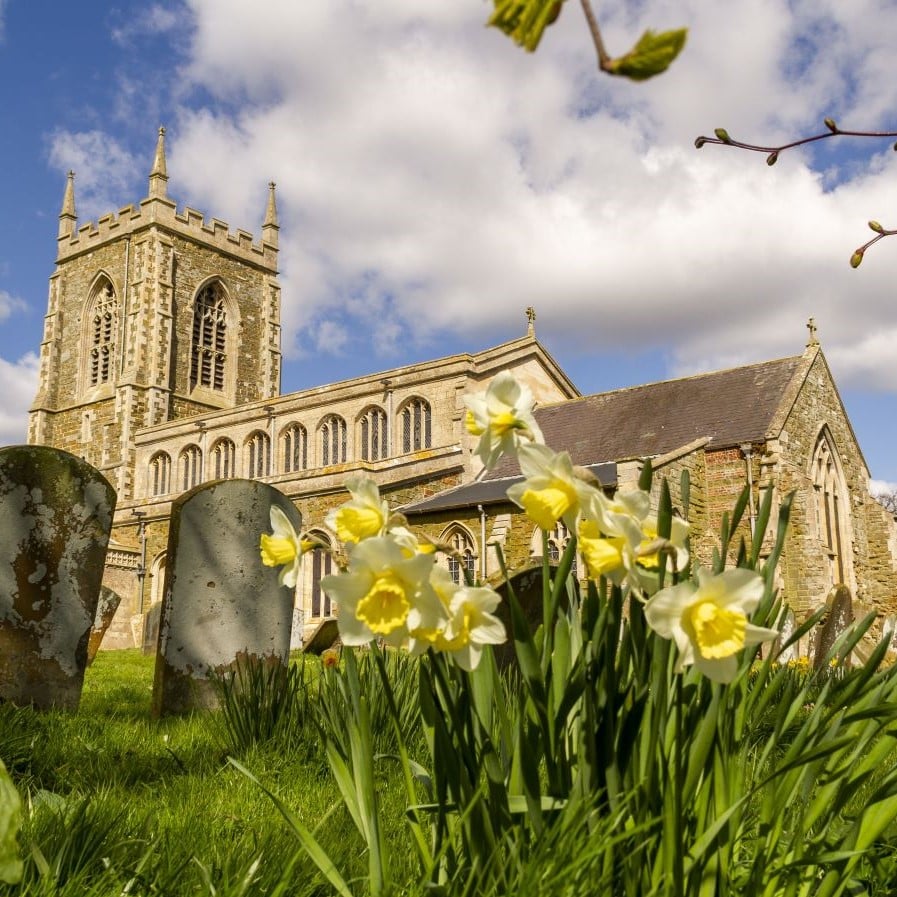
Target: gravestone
x=838, y=618
x=325, y=636
x=55, y=518
x=107, y=605
x=221, y=605
x=787, y=630
x=150, y=636
x=527, y=585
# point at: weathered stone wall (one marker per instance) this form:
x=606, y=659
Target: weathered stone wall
x=807, y=569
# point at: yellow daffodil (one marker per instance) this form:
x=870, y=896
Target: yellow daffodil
x=364, y=516
x=708, y=620
x=468, y=622
x=551, y=490
x=502, y=418
x=383, y=593
x=649, y=548
x=283, y=547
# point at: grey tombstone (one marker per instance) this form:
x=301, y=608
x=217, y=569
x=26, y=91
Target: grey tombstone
x=107, y=605
x=150, y=642
x=838, y=618
x=55, y=518
x=325, y=636
x=221, y=605
x=791, y=652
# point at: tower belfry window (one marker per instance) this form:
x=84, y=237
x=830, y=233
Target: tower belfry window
x=209, y=354
x=103, y=326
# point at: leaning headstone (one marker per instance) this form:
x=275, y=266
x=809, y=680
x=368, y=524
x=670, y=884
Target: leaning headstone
x=325, y=636
x=107, y=605
x=55, y=518
x=838, y=618
x=527, y=585
x=221, y=605
x=785, y=633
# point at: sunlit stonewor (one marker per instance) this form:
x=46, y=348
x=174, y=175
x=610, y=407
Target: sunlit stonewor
x=190, y=394
x=55, y=519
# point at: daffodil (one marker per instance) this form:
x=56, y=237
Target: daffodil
x=467, y=624
x=383, y=593
x=363, y=517
x=650, y=546
x=551, y=490
x=283, y=547
x=502, y=417
x=708, y=620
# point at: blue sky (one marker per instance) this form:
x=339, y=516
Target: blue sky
x=434, y=180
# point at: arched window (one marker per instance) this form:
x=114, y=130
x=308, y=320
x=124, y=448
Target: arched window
x=209, y=355
x=557, y=543
x=831, y=507
x=157, y=578
x=295, y=448
x=160, y=474
x=317, y=564
x=372, y=433
x=224, y=455
x=333, y=440
x=103, y=327
x=416, y=425
x=190, y=467
x=462, y=562
x=258, y=454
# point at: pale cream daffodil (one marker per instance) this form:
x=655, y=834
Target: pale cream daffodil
x=468, y=625
x=283, y=547
x=551, y=490
x=364, y=516
x=651, y=544
x=502, y=417
x=383, y=593
x=708, y=620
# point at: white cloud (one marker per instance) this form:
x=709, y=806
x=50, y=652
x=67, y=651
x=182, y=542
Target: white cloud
x=155, y=19
x=19, y=379
x=882, y=487
x=104, y=169
x=10, y=304
x=434, y=178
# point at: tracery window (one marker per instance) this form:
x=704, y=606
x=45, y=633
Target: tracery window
x=190, y=467
x=831, y=507
x=462, y=563
x=295, y=448
x=416, y=425
x=224, y=454
x=258, y=455
x=372, y=432
x=557, y=543
x=333, y=440
x=209, y=354
x=103, y=328
x=160, y=473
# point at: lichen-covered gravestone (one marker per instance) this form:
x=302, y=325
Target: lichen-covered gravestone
x=221, y=605
x=788, y=626
x=55, y=518
x=838, y=618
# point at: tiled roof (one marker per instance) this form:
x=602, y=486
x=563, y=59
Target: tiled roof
x=730, y=407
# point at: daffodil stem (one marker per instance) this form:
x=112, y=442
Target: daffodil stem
x=679, y=846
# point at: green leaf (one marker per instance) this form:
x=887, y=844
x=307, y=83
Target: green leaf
x=650, y=56
x=10, y=822
x=525, y=21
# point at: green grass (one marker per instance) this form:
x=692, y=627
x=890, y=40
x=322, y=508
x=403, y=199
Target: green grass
x=120, y=803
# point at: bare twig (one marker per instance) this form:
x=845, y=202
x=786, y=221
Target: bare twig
x=595, y=31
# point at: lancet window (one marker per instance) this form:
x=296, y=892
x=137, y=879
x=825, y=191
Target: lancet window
x=831, y=507
x=209, y=355
x=103, y=320
x=416, y=426
x=295, y=448
x=224, y=455
x=372, y=432
x=258, y=454
x=333, y=440
x=190, y=463
x=160, y=474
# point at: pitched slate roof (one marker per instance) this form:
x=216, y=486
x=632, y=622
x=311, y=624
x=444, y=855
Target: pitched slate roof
x=730, y=407
x=490, y=492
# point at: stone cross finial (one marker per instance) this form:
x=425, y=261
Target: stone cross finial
x=811, y=326
x=530, y=320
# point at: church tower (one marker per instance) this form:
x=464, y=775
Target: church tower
x=153, y=314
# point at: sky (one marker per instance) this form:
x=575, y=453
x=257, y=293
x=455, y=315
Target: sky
x=434, y=180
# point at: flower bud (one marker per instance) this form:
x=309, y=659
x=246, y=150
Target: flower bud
x=830, y=124
x=722, y=134
x=772, y=158
x=855, y=259
x=699, y=142
x=874, y=225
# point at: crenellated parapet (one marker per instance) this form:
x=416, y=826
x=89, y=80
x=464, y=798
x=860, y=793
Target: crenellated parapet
x=163, y=213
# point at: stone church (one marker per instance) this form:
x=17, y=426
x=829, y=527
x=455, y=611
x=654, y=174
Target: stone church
x=160, y=365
